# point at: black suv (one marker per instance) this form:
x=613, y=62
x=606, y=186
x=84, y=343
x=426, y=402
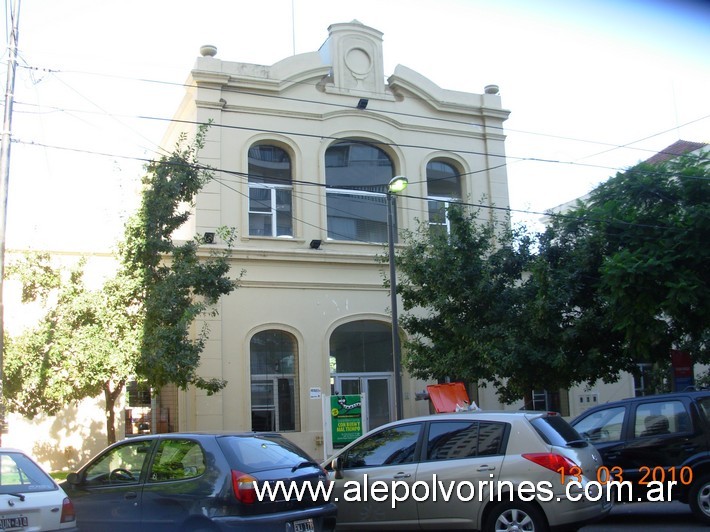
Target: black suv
x=656, y=437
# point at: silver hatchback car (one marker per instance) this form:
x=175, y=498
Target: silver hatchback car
x=487, y=471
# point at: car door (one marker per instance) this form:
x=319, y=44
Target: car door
x=378, y=460
x=661, y=435
x=175, y=486
x=108, y=494
x=458, y=459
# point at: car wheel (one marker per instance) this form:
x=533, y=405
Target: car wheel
x=699, y=499
x=515, y=515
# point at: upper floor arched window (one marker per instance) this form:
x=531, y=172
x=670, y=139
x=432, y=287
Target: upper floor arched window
x=270, y=191
x=357, y=175
x=443, y=188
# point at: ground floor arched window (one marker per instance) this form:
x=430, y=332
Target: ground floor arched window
x=274, y=381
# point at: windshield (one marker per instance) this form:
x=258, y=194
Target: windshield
x=19, y=474
x=265, y=451
x=556, y=431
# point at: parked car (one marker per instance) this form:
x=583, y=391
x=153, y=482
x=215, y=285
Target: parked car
x=29, y=498
x=656, y=437
x=192, y=482
x=467, y=454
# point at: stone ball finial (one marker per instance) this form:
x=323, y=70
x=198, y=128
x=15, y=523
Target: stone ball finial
x=491, y=89
x=208, y=50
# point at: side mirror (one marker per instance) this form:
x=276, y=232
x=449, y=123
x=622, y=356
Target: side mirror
x=73, y=479
x=337, y=466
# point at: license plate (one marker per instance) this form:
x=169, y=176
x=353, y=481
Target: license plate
x=12, y=522
x=305, y=525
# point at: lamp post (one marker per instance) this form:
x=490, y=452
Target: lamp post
x=396, y=184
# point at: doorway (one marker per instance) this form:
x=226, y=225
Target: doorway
x=378, y=389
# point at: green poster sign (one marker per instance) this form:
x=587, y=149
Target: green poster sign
x=346, y=418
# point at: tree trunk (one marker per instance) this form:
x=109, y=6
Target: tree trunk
x=111, y=396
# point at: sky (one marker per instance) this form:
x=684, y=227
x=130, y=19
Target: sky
x=593, y=87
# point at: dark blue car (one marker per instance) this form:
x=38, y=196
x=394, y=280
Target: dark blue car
x=193, y=482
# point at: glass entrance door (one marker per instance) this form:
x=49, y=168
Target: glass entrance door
x=378, y=391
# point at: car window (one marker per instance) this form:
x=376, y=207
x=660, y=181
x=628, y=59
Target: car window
x=177, y=460
x=660, y=418
x=556, y=431
x=255, y=453
x=395, y=445
x=19, y=474
x=120, y=465
x=449, y=440
x=603, y=425
x=704, y=405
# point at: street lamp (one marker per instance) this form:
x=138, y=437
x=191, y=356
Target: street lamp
x=396, y=184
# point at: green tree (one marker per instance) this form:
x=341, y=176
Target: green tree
x=462, y=298
x=138, y=324
x=633, y=261
x=175, y=282
x=83, y=345
x=619, y=280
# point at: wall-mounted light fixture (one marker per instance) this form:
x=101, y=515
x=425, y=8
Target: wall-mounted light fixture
x=209, y=238
x=315, y=244
x=362, y=104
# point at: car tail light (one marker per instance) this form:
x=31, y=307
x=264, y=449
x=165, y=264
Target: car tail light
x=243, y=485
x=68, y=513
x=554, y=462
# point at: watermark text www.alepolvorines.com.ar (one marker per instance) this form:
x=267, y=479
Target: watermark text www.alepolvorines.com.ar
x=434, y=490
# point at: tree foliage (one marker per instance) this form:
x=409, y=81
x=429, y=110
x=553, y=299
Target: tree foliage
x=637, y=252
x=83, y=345
x=621, y=279
x=139, y=323
x=175, y=283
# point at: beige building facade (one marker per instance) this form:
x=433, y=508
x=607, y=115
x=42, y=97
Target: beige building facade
x=302, y=153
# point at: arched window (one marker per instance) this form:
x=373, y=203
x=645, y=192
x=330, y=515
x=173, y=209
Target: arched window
x=274, y=381
x=361, y=363
x=357, y=175
x=363, y=346
x=270, y=191
x=443, y=188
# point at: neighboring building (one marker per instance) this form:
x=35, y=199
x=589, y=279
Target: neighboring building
x=303, y=151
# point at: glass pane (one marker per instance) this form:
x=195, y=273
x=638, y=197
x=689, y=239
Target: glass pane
x=452, y=440
x=358, y=217
x=283, y=213
x=269, y=164
x=260, y=224
x=177, y=460
x=254, y=453
x=378, y=402
x=357, y=166
x=490, y=438
x=259, y=199
x=120, y=465
x=362, y=346
x=660, y=418
x=20, y=474
x=603, y=425
x=349, y=387
x=274, y=385
x=391, y=446
x=443, y=180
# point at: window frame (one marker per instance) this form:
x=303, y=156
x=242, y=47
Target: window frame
x=271, y=380
x=274, y=185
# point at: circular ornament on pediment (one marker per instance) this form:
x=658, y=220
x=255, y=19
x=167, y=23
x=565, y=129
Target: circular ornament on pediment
x=358, y=61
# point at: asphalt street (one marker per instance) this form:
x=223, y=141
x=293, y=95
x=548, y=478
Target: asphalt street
x=648, y=516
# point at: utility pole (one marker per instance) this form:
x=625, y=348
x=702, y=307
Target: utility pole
x=5, y=181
